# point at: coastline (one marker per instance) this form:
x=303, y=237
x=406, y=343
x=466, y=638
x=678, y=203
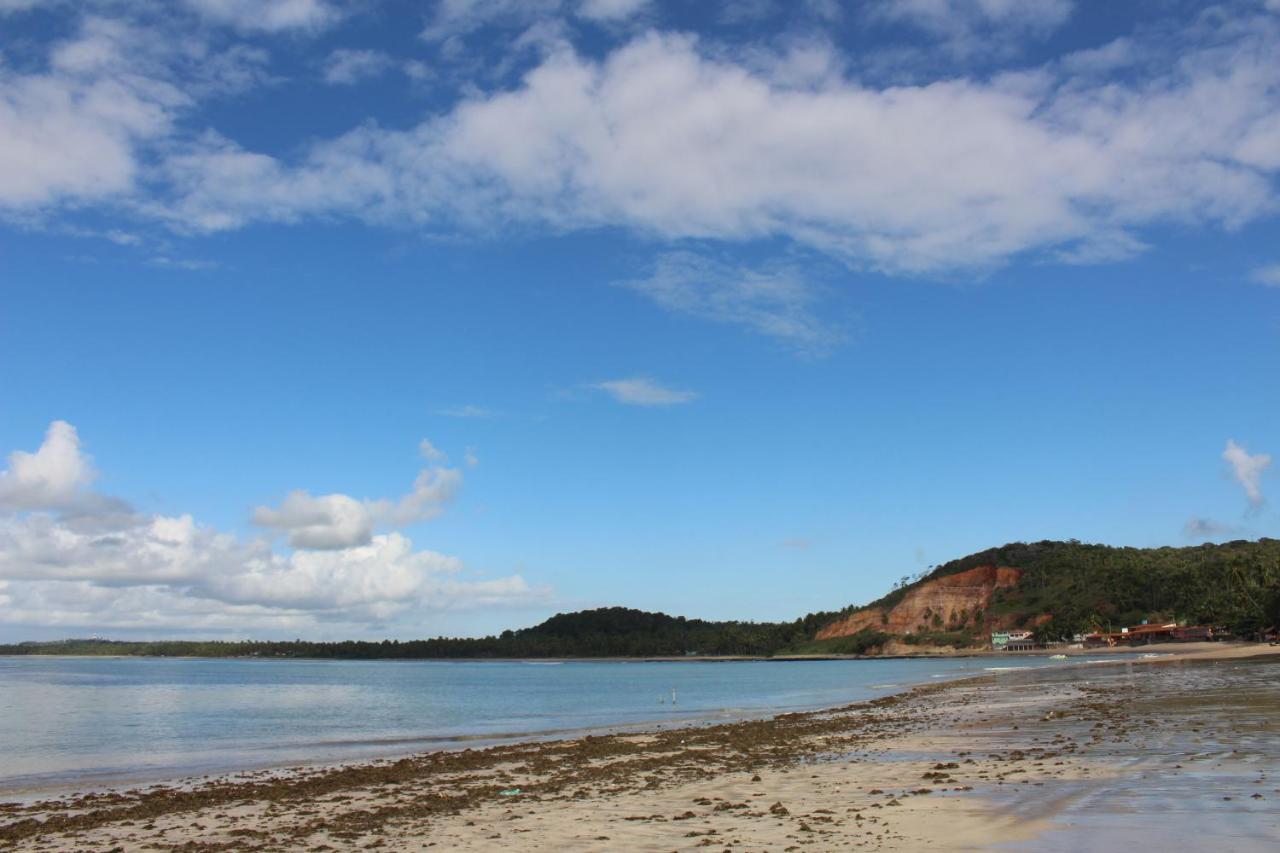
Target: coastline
x=644, y=790
x=1188, y=648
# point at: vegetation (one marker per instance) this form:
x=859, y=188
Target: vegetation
x=606, y=632
x=864, y=642
x=1079, y=587
x=1086, y=587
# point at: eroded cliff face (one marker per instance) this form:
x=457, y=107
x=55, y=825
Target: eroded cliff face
x=945, y=604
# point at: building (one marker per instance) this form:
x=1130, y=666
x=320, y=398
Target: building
x=1012, y=641
x=1142, y=635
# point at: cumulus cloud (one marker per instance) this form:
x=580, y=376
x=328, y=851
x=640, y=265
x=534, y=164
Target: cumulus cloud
x=72, y=130
x=75, y=131
x=339, y=521
x=1268, y=275
x=434, y=487
x=1247, y=470
x=348, y=67
x=642, y=391
x=69, y=556
x=673, y=138
x=55, y=476
x=327, y=521
x=663, y=138
x=778, y=301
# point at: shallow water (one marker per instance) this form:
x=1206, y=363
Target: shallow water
x=72, y=722
x=1200, y=762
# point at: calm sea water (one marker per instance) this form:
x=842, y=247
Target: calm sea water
x=79, y=722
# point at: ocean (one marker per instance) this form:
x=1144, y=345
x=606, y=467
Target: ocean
x=77, y=723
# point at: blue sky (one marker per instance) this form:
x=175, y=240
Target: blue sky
x=729, y=310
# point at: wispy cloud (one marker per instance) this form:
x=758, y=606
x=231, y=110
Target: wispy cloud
x=777, y=301
x=188, y=264
x=467, y=411
x=1247, y=470
x=269, y=15
x=611, y=10
x=1268, y=275
x=1207, y=528
x=642, y=391
x=346, y=67
x=969, y=27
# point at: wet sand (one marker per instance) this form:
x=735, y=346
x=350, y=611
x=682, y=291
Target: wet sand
x=1180, y=751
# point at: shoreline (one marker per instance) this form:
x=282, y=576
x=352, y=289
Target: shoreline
x=435, y=791
x=99, y=780
x=945, y=652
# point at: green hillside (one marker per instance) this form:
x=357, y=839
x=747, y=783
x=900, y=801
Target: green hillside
x=1234, y=584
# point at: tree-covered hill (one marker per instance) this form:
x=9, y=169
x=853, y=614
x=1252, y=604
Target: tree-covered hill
x=604, y=632
x=1080, y=587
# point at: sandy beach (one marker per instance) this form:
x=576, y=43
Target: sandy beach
x=1179, y=750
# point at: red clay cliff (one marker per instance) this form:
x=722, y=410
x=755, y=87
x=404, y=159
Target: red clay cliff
x=947, y=603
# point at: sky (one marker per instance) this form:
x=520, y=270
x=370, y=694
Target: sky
x=362, y=319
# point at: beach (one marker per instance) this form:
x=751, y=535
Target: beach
x=1180, y=751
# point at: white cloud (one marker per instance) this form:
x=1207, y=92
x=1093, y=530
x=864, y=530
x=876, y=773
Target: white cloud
x=455, y=18
x=1118, y=53
x=56, y=476
x=340, y=521
x=663, y=139
x=1268, y=275
x=10, y=6
x=69, y=556
x=674, y=139
x=640, y=391
x=778, y=302
x=430, y=452
x=75, y=131
x=468, y=411
x=72, y=130
x=971, y=27
x=268, y=15
x=1247, y=470
x=187, y=264
x=327, y=521
x=178, y=565
x=434, y=487
x=347, y=67
x=460, y=17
